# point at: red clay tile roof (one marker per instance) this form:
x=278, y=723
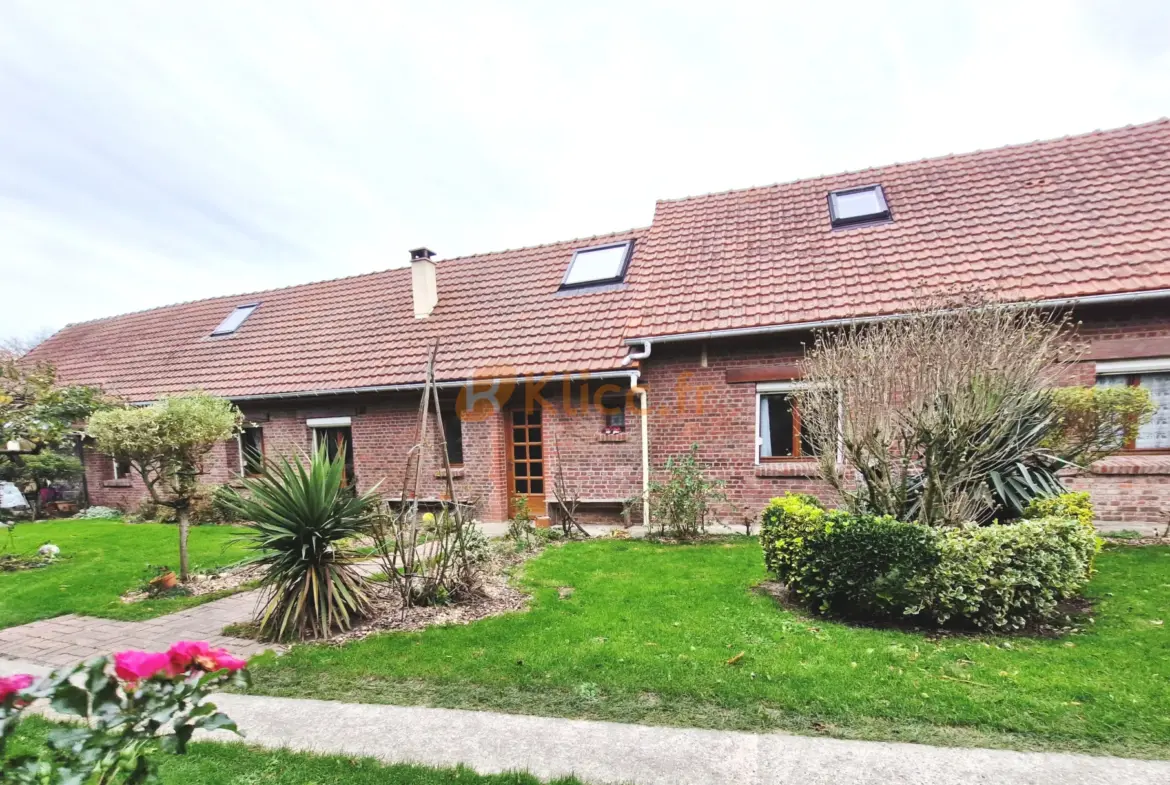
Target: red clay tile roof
x=1071, y=217
x=1065, y=218
x=497, y=311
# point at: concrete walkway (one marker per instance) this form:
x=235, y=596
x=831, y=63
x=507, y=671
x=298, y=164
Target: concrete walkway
x=601, y=753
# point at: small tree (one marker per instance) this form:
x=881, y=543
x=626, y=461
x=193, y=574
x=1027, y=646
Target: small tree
x=45, y=468
x=166, y=443
x=43, y=416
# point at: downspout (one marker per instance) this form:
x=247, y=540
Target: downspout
x=644, y=404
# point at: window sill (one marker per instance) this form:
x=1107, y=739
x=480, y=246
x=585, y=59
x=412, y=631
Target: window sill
x=1133, y=463
x=456, y=473
x=613, y=437
x=117, y=483
x=793, y=468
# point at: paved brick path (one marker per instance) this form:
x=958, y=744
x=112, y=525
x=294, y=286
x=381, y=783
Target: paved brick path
x=66, y=640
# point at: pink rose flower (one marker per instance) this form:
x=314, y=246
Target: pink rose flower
x=13, y=684
x=136, y=666
x=186, y=655
x=225, y=661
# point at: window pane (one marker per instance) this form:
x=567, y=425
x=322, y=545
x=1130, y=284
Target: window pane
x=453, y=430
x=536, y=469
x=518, y=417
x=521, y=470
x=519, y=435
x=518, y=452
x=600, y=264
x=534, y=434
x=776, y=426
x=252, y=446
x=521, y=486
x=538, y=486
x=534, y=452
x=857, y=204
x=1156, y=433
x=235, y=319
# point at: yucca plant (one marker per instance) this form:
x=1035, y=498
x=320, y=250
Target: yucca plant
x=299, y=519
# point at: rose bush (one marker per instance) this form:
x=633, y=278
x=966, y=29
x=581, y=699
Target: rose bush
x=129, y=709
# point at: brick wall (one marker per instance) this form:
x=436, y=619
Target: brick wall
x=384, y=430
x=691, y=401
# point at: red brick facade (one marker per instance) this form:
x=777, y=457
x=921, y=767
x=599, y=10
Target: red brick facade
x=700, y=393
x=602, y=469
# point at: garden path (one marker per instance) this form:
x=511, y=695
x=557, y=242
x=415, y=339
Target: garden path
x=66, y=640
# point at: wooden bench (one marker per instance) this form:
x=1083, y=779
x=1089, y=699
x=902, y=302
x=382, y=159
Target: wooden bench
x=554, y=508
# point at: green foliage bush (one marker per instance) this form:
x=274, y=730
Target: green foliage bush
x=1075, y=505
x=998, y=577
x=872, y=566
x=1006, y=576
x=682, y=502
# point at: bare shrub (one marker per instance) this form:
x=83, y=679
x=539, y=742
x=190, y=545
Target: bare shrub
x=926, y=417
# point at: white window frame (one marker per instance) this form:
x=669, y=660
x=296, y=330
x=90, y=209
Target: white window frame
x=1132, y=367
x=774, y=388
x=316, y=423
x=240, y=447
x=117, y=474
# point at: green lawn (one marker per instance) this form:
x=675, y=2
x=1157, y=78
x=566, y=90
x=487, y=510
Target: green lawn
x=100, y=560
x=235, y=764
x=648, y=630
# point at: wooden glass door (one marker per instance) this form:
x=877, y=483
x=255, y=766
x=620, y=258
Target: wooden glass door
x=526, y=461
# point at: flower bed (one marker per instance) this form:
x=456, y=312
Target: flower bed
x=1000, y=577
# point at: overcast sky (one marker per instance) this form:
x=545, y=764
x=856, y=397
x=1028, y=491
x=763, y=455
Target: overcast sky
x=156, y=152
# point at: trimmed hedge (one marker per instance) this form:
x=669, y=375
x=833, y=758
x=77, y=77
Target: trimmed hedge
x=999, y=577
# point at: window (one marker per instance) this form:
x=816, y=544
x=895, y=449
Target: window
x=603, y=264
x=251, y=450
x=780, y=434
x=858, y=205
x=122, y=469
x=453, y=430
x=614, y=408
x=1154, y=435
x=234, y=319
x=337, y=437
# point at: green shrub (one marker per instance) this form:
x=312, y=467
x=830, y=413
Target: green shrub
x=785, y=526
x=1067, y=505
x=869, y=566
x=682, y=502
x=999, y=577
x=1005, y=576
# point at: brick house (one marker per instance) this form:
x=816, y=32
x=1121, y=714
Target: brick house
x=546, y=354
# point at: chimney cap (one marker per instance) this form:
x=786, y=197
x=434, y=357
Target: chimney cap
x=418, y=254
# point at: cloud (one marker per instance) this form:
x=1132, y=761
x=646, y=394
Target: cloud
x=159, y=152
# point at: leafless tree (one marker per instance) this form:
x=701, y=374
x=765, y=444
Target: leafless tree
x=16, y=346
x=910, y=415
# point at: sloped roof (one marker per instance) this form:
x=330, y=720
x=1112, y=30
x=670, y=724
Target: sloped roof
x=1071, y=217
x=498, y=313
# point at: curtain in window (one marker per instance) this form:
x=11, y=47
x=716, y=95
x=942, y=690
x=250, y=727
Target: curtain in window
x=1156, y=433
x=765, y=426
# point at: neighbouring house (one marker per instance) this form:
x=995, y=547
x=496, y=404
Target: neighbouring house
x=547, y=354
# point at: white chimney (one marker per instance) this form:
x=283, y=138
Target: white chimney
x=423, y=285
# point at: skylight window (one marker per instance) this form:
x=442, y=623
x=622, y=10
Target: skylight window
x=858, y=205
x=235, y=319
x=600, y=265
